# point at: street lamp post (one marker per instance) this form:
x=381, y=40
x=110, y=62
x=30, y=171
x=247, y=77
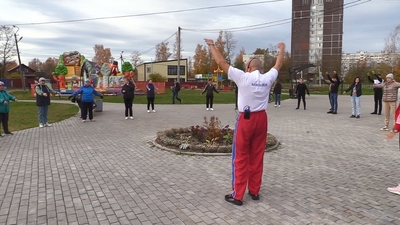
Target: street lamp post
x=19, y=58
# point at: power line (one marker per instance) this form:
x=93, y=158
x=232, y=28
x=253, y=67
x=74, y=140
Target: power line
x=146, y=14
x=150, y=49
x=276, y=22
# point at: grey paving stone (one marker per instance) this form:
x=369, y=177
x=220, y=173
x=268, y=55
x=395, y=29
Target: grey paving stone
x=329, y=169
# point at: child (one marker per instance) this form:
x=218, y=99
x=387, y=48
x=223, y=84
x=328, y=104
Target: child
x=209, y=88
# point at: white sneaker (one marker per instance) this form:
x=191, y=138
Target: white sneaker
x=92, y=120
x=154, y=110
x=207, y=109
x=395, y=190
x=83, y=121
x=41, y=125
x=126, y=118
x=385, y=128
x=279, y=106
x=148, y=111
x=131, y=117
x=47, y=125
x=275, y=105
x=211, y=109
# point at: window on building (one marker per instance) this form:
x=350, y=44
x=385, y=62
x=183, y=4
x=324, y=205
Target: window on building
x=319, y=44
x=148, y=69
x=173, y=70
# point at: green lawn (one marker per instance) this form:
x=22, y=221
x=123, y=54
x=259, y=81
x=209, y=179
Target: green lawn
x=24, y=115
x=188, y=96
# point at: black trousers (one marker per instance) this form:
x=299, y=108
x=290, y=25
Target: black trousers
x=209, y=100
x=4, y=121
x=150, y=101
x=128, y=106
x=299, y=98
x=87, y=107
x=378, y=101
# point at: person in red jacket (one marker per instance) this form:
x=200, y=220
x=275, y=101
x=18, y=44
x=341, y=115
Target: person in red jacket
x=390, y=135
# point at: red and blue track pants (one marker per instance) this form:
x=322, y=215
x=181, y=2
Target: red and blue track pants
x=248, y=153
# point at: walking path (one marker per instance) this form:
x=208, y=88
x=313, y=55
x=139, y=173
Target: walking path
x=329, y=169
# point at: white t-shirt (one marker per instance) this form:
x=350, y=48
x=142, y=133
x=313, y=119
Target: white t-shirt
x=253, y=87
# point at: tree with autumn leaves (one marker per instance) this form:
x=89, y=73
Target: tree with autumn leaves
x=203, y=63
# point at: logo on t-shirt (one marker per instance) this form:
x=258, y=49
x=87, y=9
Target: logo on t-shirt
x=259, y=84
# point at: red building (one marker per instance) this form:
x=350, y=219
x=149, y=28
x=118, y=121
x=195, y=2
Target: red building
x=28, y=73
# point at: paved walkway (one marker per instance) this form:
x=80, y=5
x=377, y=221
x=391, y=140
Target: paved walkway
x=329, y=169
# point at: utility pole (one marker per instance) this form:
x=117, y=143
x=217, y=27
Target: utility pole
x=19, y=59
x=179, y=54
x=121, y=58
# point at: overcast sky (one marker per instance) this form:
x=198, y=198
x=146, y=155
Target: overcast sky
x=365, y=25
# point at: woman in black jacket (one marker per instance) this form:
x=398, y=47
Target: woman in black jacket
x=151, y=89
x=277, y=91
x=210, y=89
x=128, y=92
x=355, y=94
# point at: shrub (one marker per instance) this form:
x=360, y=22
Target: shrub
x=156, y=77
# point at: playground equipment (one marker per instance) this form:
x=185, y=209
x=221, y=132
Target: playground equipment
x=73, y=69
x=218, y=77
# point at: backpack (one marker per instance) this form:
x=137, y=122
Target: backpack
x=177, y=86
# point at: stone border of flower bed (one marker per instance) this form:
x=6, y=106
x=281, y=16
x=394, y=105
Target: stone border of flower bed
x=213, y=148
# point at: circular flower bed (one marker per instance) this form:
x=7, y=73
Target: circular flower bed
x=209, y=138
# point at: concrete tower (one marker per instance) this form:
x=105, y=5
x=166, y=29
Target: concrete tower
x=317, y=29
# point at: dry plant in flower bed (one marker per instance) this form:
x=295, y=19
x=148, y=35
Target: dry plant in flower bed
x=210, y=137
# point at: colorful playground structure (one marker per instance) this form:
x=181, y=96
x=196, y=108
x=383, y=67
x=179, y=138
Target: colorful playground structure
x=73, y=69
